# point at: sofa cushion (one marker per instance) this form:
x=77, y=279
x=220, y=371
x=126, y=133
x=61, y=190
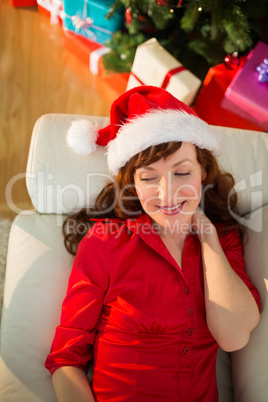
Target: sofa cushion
x=250, y=364
x=59, y=180
x=224, y=376
x=244, y=154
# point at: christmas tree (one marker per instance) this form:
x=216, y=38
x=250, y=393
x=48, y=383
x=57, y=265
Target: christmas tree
x=199, y=33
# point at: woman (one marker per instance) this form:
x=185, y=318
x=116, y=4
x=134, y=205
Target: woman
x=157, y=284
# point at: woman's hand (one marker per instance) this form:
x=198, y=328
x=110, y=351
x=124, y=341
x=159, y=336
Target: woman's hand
x=201, y=225
x=231, y=311
x=71, y=384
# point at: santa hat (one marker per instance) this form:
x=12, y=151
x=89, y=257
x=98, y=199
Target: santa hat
x=139, y=118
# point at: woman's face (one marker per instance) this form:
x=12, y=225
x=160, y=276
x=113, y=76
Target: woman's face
x=170, y=189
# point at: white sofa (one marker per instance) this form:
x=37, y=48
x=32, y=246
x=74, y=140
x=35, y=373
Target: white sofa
x=38, y=264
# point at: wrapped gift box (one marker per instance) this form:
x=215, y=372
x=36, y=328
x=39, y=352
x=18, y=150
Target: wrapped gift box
x=23, y=3
x=246, y=96
x=88, y=52
x=153, y=65
x=88, y=19
x=52, y=9
x=208, y=101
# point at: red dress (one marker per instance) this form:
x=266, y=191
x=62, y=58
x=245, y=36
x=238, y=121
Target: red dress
x=139, y=317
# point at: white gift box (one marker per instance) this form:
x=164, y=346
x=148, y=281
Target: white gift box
x=154, y=65
x=54, y=7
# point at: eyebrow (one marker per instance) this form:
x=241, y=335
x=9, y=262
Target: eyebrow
x=175, y=164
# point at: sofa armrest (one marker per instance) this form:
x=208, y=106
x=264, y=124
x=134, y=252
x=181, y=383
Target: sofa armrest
x=250, y=364
x=38, y=267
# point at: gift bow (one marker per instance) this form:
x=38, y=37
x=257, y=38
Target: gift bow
x=79, y=23
x=84, y=24
x=263, y=71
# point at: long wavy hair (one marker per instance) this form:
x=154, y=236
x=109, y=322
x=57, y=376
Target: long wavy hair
x=119, y=199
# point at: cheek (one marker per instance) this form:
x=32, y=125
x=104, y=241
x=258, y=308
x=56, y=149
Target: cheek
x=146, y=191
x=191, y=189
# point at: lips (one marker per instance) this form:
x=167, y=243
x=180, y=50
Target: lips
x=171, y=209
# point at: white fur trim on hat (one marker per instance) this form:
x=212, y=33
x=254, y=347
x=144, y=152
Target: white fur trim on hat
x=81, y=136
x=156, y=127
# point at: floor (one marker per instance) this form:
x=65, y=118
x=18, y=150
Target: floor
x=38, y=75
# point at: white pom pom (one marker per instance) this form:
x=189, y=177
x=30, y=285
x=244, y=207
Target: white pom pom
x=81, y=136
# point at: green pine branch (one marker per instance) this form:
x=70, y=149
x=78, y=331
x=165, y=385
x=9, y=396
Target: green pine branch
x=123, y=48
x=199, y=30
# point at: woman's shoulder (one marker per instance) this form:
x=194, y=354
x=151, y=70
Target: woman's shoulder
x=228, y=235
x=107, y=228
x=104, y=233
x=109, y=234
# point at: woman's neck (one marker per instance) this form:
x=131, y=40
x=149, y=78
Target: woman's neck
x=176, y=236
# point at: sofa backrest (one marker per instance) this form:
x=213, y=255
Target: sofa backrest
x=58, y=180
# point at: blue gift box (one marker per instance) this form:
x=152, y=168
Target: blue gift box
x=88, y=19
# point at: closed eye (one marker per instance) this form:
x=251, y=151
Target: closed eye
x=147, y=178
x=182, y=174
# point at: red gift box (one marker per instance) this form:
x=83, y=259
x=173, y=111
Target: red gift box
x=88, y=52
x=208, y=101
x=23, y=3
x=246, y=95
x=84, y=49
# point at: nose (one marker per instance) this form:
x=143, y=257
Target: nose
x=165, y=190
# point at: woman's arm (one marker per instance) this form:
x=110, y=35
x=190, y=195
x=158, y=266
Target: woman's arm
x=74, y=338
x=71, y=384
x=231, y=310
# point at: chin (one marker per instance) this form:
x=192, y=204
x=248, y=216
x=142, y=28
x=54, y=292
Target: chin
x=174, y=223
